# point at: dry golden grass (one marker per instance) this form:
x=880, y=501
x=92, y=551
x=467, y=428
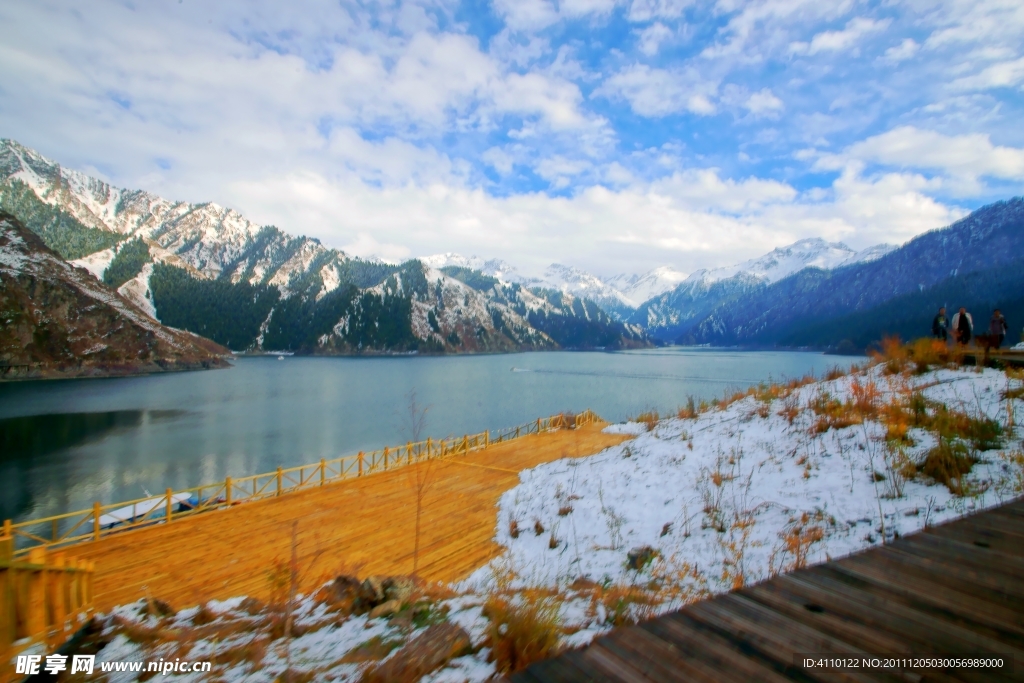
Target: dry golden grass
x=521, y=631
x=649, y=418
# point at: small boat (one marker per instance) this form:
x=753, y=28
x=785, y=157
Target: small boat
x=142, y=509
x=280, y=357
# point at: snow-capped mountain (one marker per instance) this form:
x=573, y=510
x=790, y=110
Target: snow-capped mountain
x=578, y=282
x=496, y=268
x=977, y=262
x=557, y=277
x=666, y=314
x=208, y=269
x=216, y=241
x=784, y=261
x=641, y=288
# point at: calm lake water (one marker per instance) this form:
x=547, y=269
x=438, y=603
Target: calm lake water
x=65, y=444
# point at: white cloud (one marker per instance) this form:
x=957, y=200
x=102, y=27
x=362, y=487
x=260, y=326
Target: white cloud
x=902, y=52
x=559, y=170
x=375, y=127
x=659, y=92
x=963, y=157
x=652, y=37
x=839, y=41
x=526, y=15
x=764, y=103
x=498, y=159
x=761, y=27
x=645, y=10
x=1006, y=74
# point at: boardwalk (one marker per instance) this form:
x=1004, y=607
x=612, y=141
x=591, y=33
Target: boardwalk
x=952, y=590
x=362, y=525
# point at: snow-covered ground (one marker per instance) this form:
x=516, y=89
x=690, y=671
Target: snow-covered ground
x=776, y=480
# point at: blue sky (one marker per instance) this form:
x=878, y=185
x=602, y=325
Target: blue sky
x=614, y=135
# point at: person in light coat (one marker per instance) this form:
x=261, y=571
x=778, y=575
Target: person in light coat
x=962, y=326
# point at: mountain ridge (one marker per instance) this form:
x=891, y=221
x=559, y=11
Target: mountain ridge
x=58, y=321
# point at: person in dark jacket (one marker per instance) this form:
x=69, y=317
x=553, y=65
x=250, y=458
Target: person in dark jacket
x=963, y=327
x=997, y=329
x=940, y=325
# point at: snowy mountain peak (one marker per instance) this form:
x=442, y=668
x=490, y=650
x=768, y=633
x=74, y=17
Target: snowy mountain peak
x=782, y=262
x=496, y=268
x=646, y=286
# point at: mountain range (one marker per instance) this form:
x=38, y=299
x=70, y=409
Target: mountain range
x=207, y=269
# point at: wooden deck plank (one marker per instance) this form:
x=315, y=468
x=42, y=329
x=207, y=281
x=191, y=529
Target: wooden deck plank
x=952, y=589
x=995, y=619
x=363, y=525
x=714, y=650
x=916, y=633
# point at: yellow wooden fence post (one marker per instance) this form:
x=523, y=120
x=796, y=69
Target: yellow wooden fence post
x=279, y=481
x=227, y=490
x=170, y=505
x=35, y=619
x=323, y=471
x=385, y=457
x=74, y=601
x=58, y=608
x=89, y=575
x=96, y=521
x=487, y=439
x=428, y=446
x=8, y=615
x=408, y=452
x=360, y=463
x=538, y=425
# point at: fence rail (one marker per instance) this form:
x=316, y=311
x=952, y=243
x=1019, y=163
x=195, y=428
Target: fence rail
x=44, y=599
x=102, y=520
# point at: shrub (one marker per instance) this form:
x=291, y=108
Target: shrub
x=893, y=354
x=521, y=633
x=985, y=434
x=947, y=463
x=834, y=372
x=649, y=418
x=926, y=353
x=689, y=410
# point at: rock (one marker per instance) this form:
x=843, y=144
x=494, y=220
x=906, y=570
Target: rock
x=398, y=588
x=638, y=558
x=371, y=592
x=342, y=594
x=385, y=609
x=427, y=652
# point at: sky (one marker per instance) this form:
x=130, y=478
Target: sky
x=611, y=135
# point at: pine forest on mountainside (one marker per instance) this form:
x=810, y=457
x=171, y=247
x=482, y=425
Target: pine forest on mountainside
x=60, y=231
x=128, y=261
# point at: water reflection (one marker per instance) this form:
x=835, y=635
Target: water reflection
x=34, y=450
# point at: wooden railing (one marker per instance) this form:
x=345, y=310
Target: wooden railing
x=103, y=520
x=44, y=598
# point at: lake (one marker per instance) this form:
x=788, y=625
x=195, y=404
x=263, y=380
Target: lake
x=68, y=443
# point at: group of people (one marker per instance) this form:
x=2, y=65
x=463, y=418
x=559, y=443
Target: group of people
x=962, y=327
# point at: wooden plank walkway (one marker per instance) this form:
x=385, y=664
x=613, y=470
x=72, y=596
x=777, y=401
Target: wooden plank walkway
x=952, y=590
x=363, y=525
